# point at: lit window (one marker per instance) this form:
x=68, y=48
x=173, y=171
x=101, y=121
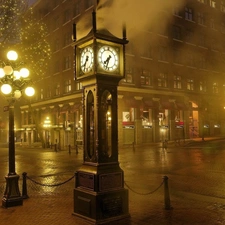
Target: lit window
x=68, y=86
x=78, y=86
x=190, y=84
x=146, y=78
x=212, y=3
x=42, y=94
x=129, y=76
x=57, y=89
x=202, y=86
x=177, y=82
x=162, y=80
x=48, y=92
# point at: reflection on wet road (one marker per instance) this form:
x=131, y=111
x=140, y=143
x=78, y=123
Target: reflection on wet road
x=196, y=169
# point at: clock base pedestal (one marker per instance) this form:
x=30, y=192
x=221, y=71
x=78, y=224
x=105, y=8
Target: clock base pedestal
x=99, y=196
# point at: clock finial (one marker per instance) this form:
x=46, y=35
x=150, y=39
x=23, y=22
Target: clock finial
x=124, y=32
x=94, y=22
x=74, y=35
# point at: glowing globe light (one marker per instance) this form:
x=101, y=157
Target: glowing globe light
x=12, y=55
x=8, y=70
x=17, y=94
x=6, y=89
x=24, y=72
x=29, y=91
x=16, y=75
x=2, y=73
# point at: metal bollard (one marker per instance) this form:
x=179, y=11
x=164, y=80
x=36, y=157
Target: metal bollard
x=166, y=194
x=55, y=147
x=69, y=147
x=76, y=179
x=24, y=191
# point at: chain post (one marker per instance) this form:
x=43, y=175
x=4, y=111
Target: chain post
x=166, y=194
x=24, y=190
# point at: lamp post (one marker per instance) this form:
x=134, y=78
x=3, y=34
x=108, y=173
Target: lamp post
x=13, y=83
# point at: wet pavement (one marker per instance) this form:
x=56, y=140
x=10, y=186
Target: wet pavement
x=196, y=172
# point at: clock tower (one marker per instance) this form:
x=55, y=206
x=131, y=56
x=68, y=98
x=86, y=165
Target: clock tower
x=99, y=193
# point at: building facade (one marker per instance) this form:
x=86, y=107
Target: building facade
x=174, y=86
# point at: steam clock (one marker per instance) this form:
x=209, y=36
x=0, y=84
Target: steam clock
x=99, y=194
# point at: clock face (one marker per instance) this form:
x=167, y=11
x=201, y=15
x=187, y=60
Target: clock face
x=108, y=58
x=87, y=59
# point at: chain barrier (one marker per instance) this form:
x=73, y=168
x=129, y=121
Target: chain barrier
x=139, y=193
x=49, y=185
x=166, y=192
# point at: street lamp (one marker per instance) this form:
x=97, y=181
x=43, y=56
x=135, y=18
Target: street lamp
x=13, y=83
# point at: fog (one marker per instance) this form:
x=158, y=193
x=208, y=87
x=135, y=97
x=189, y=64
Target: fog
x=137, y=15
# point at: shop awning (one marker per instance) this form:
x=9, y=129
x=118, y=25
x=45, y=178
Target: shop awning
x=180, y=106
x=151, y=104
x=167, y=105
x=131, y=103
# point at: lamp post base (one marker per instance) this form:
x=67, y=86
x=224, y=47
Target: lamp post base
x=12, y=196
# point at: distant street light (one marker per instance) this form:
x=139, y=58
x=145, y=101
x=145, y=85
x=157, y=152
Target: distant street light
x=47, y=125
x=13, y=83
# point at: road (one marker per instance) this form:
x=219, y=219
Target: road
x=196, y=175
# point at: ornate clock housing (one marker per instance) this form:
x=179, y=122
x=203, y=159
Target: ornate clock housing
x=108, y=58
x=99, y=188
x=86, y=59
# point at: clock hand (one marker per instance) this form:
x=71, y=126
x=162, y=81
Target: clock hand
x=106, y=62
x=86, y=60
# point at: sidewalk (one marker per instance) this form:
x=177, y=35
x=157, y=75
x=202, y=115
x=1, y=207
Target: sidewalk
x=197, y=194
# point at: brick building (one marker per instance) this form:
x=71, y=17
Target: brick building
x=174, y=85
